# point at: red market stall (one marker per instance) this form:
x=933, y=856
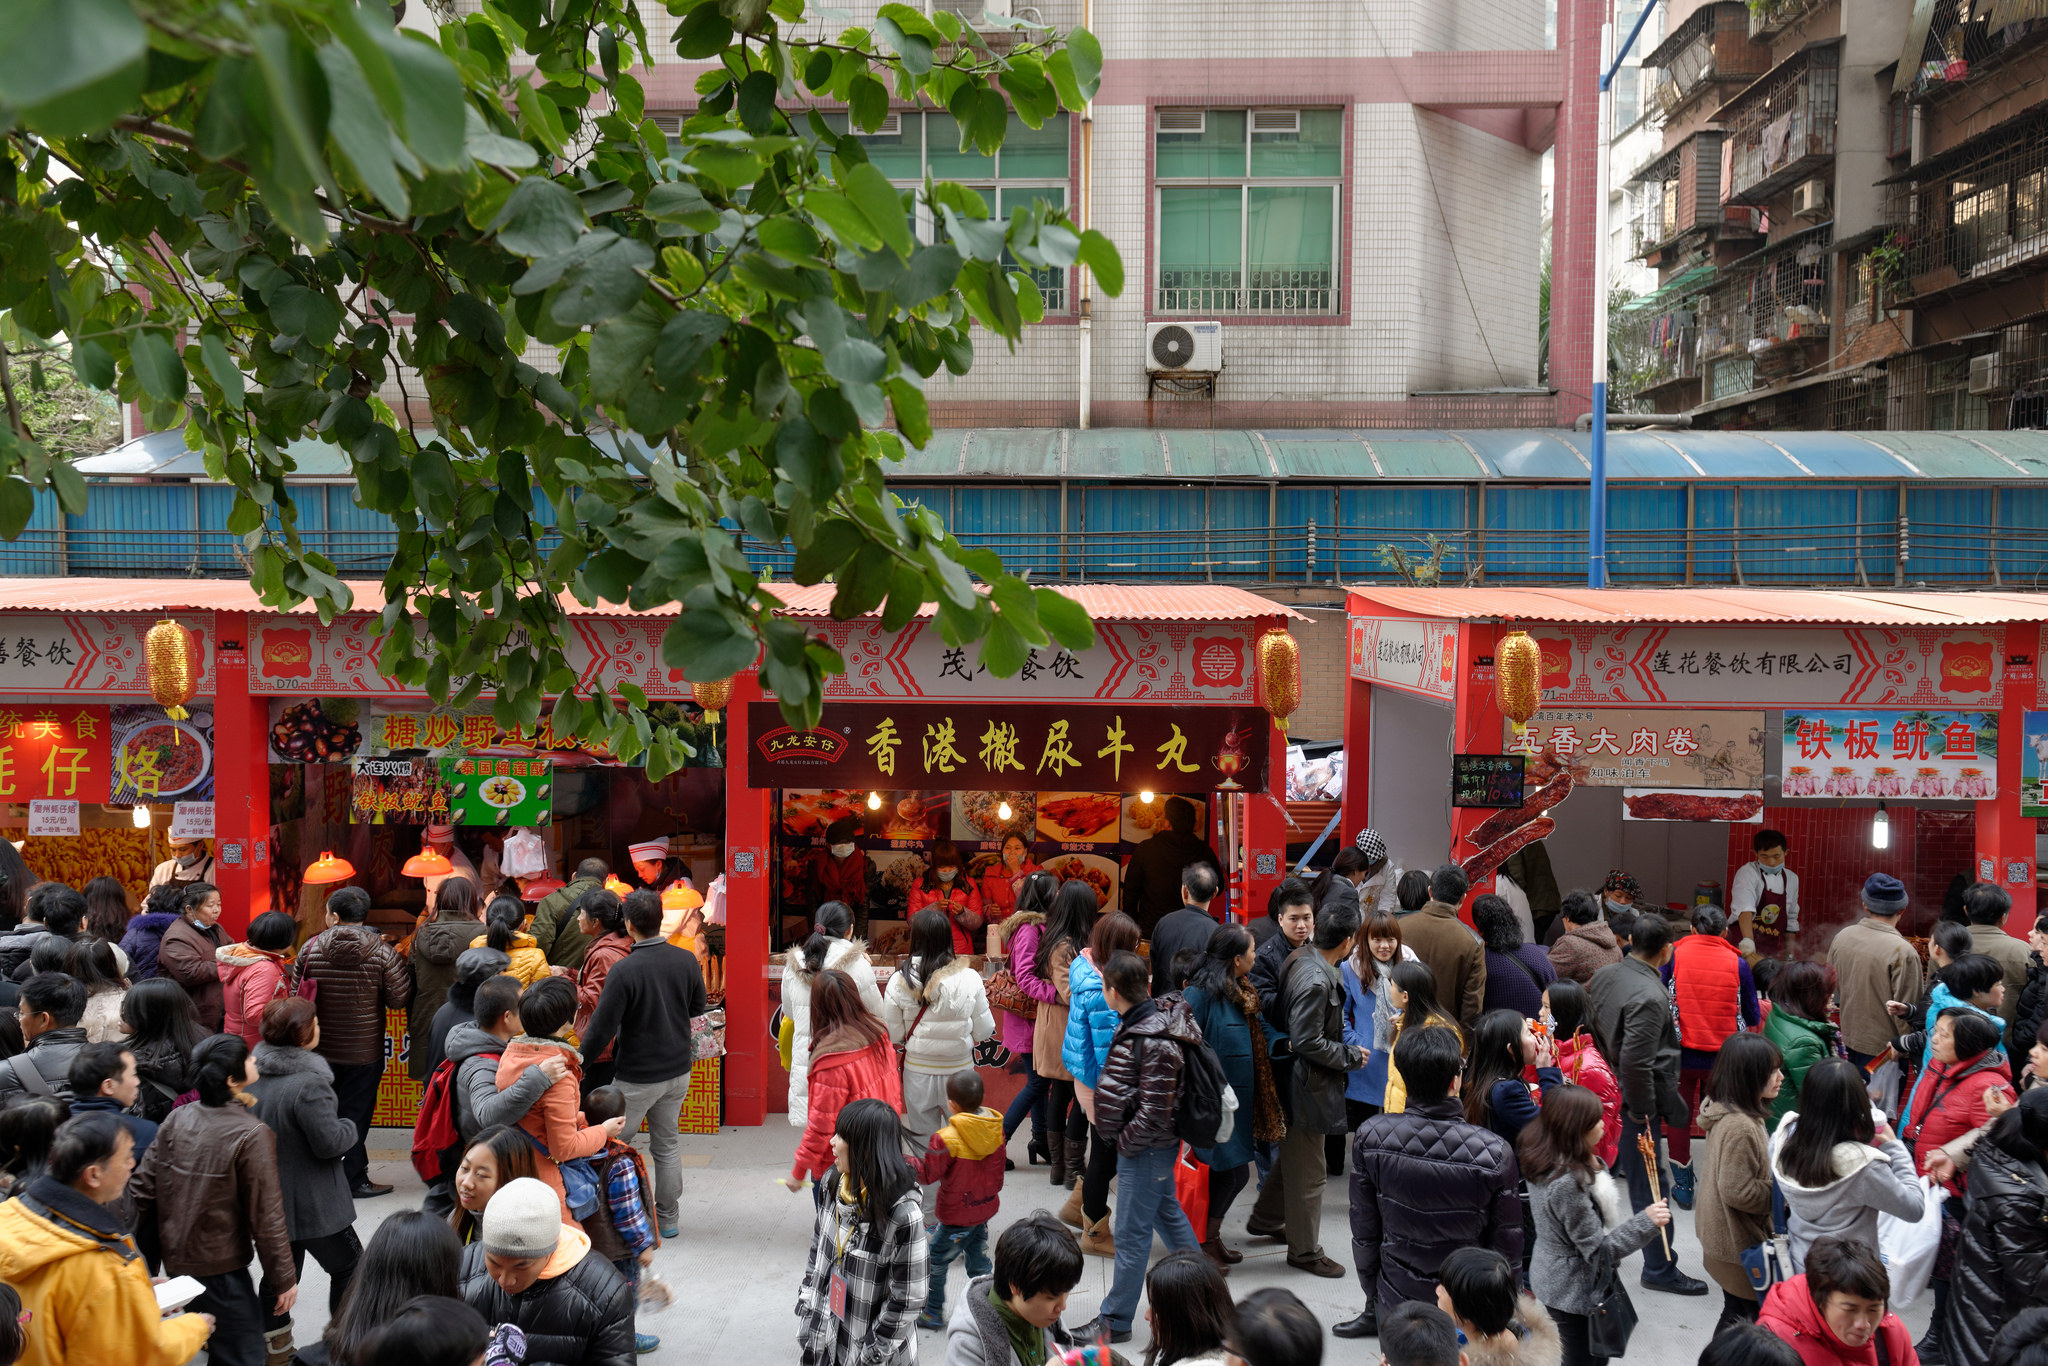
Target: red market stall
x=920, y=744
x=1889, y=732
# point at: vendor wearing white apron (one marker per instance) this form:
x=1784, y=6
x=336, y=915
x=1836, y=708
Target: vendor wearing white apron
x=190, y=861
x=441, y=839
x=1765, y=898
x=656, y=868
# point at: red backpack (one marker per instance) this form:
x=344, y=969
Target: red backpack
x=434, y=1133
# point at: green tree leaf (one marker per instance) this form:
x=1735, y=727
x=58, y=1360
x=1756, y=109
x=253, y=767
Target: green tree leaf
x=879, y=203
x=159, y=369
x=1099, y=254
x=17, y=505
x=359, y=129
x=94, y=364
x=540, y=218
x=53, y=48
x=221, y=366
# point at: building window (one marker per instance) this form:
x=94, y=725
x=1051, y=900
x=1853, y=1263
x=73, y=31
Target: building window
x=1247, y=211
x=1032, y=164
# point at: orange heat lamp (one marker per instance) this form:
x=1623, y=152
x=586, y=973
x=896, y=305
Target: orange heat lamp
x=539, y=888
x=617, y=888
x=327, y=868
x=681, y=899
x=427, y=863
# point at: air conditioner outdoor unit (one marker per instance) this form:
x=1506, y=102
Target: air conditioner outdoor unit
x=1810, y=200
x=1987, y=374
x=1184, y=348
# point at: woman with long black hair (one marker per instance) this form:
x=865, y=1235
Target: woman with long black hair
x=1188, y=1309
x=412, y=1253
x=1495, y=1095
x=937, y=1008
x=945, y=887
x=1838, y=1167
x=866, y=1278
x=163, y=1029
x=1032, y=900
x=1226, y=1008
x=1411, y=991
x=1042, y=975
x=1734, y=1208
x=503, y=931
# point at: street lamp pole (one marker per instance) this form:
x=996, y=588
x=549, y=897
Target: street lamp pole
x=1603, y=173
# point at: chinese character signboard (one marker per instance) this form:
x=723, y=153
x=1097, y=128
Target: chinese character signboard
x=55, y=751
x=158, y=759
x=398, y=792
x=1487, y=780
x=1199, y=662
x=1413, y=655
x=499, y=791
x=1772, y=666
x=49, y=817
x=334, y=730
x=194, y=821
x=1661, y=748
x=1035, y=748
x=2034, y=766
x=87, y=654
x=1891, y=754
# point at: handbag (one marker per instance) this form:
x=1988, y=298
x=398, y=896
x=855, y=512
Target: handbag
x=1191, y=1187
x=1769, y=1262
x=1613, y=1320
x=1005, y=994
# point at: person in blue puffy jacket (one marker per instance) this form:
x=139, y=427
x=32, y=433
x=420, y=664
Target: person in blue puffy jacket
x=1091, y=1025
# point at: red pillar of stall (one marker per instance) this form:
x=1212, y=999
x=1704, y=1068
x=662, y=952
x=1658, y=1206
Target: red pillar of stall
x=748, y=870
x=1476, y=729
x=1357, y=755
x=241, y=779
x=1262, y=862
x=2005, y=839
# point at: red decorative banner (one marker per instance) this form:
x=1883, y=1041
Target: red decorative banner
x=55, y=751
x=940, y=745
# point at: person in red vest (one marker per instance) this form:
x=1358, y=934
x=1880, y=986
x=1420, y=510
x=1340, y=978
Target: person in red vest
x=839, y=872
x=1713, y=995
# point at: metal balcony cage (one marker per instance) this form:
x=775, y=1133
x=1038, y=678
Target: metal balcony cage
x=1980, y=211
x=1710, y=48
x=1781, y=129
x=1963, y=38
x=1994, y=382
x=1765, y=309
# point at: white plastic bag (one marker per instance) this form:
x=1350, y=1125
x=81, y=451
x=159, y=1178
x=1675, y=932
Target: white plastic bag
x=1908, y=1249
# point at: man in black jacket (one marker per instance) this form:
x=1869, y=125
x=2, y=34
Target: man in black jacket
x=1312, y=999
x=1187, y=928
x=1424, y=1182
x=649, y=998
x=1153, y=880
x=1632, y=1009
x=582, y=1312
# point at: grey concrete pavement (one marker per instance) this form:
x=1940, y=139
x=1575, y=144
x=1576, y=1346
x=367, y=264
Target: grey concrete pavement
x=744, y=1239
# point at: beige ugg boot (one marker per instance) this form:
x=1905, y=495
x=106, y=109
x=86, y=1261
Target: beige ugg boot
x=1070, y=1213
x=1099, y=1240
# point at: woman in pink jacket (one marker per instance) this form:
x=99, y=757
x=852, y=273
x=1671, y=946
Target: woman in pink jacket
x=1021, y=932
x=1568, y=1015
x=254, y=974
x=851, y=1059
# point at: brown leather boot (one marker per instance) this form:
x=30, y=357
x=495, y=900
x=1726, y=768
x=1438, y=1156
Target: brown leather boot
x=1077, y=1160
x=1098, y=1239
x=1213, y=1244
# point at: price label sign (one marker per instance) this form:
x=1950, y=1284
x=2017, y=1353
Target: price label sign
x=192, y=821
x=1488, y=780
x=51, y=816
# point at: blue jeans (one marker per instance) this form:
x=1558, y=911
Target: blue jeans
x=1146, y=1204
x=948, y=1242
x=1637, y=1175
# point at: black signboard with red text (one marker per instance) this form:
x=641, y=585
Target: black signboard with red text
x=1055, y=748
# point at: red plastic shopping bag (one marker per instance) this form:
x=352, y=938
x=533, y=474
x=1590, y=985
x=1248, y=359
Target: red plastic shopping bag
x=1191, y=1186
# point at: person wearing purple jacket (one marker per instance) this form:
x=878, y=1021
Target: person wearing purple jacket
x=1021, y=932
x=1042, y=975
x=1516, y=972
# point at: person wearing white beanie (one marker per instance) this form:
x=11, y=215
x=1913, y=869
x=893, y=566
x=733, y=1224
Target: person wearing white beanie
x=529, y=1268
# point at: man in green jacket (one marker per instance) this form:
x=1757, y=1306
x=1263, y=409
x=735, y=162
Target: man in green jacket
x=554, y=920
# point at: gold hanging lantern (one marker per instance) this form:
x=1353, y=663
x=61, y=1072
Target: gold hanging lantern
x=171, y=659
x=713, y=697
x=1279, y=658
x=1518, y=678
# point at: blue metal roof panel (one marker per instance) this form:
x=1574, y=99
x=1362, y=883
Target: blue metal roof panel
x=1425, y=455
x=1321, y=455
x=1633, y=455
x=1837, y=455
x=1529, y=454
x=1947, y=455
x=1735, y=455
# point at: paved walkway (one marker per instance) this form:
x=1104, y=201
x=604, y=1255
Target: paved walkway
x=744, y=1240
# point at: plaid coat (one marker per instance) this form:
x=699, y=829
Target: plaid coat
x=886, y=1279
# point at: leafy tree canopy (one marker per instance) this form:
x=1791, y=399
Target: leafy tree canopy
x=247, y=215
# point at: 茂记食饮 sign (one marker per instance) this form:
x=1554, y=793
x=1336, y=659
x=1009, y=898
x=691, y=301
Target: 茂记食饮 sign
x=1032, y=748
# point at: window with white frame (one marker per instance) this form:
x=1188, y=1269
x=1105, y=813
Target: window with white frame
x=1032, y=164
x=1247, y=212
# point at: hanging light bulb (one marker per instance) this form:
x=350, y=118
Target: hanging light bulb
x=874, y=801
x=1881, y=829
x=1003, y=811
x=1146, y=797
x=141, y=817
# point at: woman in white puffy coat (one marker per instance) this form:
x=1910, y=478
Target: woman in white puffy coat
x=828, y=947
x=937, y=1007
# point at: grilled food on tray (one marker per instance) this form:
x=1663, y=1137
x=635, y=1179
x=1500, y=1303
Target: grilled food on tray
x=1083, y=814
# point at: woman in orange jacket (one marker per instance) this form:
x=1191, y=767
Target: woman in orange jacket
x=555, y=1122
x=946, y=886
x=999, y=884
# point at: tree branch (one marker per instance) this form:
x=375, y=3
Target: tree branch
x=178, y=137
x=14, y=419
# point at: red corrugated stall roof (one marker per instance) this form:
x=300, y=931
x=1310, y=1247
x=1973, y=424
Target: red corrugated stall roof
x=1103, y=601
x=1783, y=606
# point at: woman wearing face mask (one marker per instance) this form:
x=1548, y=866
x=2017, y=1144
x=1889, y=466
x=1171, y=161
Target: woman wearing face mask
x=189, y=862
x=1004, y=880
x=186, y=955
x=1619, y=893
x=947, y=887
x=1369, y=1013
x=839, y=872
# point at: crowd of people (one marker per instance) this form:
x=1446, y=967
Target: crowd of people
x=177, y=1108
x=183, y=1120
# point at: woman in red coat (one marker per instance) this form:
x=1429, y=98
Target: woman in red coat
x=1835, y=1312
x=947, y=887
x=999, y=885
x=851, y=1059
x=1568, y=1014
x=1948, y=1099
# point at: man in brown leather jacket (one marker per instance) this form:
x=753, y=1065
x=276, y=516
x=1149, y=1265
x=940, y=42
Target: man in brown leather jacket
x=357, y=977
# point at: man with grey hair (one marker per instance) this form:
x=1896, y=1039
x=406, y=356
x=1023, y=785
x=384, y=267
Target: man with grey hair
x=1874, y=964
x=1714, y=995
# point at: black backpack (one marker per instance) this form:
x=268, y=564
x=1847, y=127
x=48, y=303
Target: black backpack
x=1204, y=1108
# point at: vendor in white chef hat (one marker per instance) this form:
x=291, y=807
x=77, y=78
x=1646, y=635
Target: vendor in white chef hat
x=1765, y=898
x=440, y=838
x=656, y=868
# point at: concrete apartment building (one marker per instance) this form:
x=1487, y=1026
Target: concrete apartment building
x=1852, y=232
